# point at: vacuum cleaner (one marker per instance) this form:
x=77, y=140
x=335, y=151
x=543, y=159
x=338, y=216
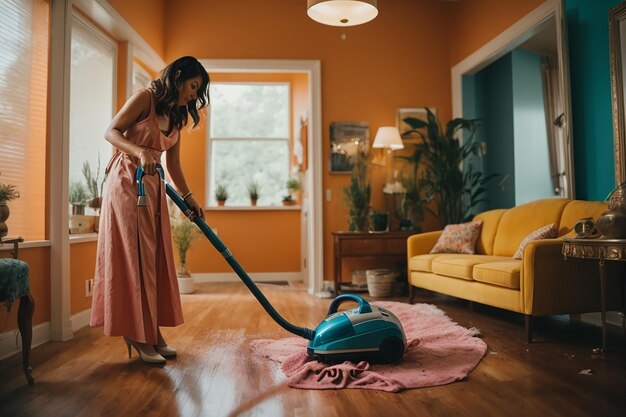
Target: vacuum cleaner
x=367, y=332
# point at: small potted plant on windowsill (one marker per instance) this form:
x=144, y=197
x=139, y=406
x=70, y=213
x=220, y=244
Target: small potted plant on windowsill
x=221, y=195
x=289, y=201
x=7, y=193
x=79, y=223
x=293, y=188
x=253, y=192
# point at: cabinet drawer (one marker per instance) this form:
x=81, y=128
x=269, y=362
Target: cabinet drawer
x=396, y=246
x=362, y=247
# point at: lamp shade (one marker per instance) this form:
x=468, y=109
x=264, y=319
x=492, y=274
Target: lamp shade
x=388, y=137
x=342, y=12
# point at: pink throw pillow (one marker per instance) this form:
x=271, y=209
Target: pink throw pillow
x=458, y=238
x=546, y=232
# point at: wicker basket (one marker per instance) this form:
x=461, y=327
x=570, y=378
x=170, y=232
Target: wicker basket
x=380, y=282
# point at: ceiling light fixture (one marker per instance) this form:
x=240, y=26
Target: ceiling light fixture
x=342, y=12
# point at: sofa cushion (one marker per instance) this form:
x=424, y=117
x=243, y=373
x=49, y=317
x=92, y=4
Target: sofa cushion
x=461, y=266
x=519, y=221
x=577, y=210
x=502, y=273
x=423, y=263
x=458, y=238
x=546, y=232
x=491, y=220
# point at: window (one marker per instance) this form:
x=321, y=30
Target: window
x=249, y=141
x=23, y=107
x=92, y=98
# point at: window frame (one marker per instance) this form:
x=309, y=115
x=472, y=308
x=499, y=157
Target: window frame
x=209, y=196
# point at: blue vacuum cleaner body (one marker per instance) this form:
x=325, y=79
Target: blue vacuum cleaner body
x=367, y=332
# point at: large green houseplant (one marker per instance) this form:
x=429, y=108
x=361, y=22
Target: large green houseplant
x=357, y=194
x=450, y=175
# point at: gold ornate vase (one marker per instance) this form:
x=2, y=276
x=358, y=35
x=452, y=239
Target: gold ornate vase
x=612, y=223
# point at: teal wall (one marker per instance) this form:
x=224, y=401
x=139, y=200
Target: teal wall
x=532, y=162
x=488, y=95
x=590, y=76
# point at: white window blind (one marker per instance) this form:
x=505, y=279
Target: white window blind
x=92, y=98
x=23, y=105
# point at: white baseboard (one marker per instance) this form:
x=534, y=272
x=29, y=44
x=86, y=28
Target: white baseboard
x=9, y=346
x=256, y=276
x=80, y=320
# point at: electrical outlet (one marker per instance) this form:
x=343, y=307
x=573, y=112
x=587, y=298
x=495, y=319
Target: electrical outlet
x=88, y=287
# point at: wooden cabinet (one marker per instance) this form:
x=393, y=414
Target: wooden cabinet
x=384, y=246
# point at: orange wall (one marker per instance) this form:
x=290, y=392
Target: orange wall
x=275, y=247
x=147, y=17
x=82, y=267
x=38, y=260
x=401, y=59
x=473, y=23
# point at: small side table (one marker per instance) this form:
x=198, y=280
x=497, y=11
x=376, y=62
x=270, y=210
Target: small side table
x=14, y=284
x=385, y=245
x=601, y=250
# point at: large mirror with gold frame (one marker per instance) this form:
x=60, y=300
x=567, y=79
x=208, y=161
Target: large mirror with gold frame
x=617, y=36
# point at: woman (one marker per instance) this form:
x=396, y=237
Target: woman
x=135, y=286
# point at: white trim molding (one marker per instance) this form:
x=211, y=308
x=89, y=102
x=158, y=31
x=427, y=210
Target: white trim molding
x=312, y=207
x=58, y=128
x=11, y=341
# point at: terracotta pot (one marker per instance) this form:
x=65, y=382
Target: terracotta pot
x=253, y=202
x=221, y=202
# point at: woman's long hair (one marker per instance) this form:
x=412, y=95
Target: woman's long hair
x=166, y=92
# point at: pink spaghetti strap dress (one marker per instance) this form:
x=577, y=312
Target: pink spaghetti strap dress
x=135, y=286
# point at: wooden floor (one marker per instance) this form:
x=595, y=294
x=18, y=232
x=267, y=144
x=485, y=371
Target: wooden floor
x=216, y=374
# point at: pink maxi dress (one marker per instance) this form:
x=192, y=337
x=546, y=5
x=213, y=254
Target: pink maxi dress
x=135, y=286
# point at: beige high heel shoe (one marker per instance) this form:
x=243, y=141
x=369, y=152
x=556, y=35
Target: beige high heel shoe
x=147, y=357
x=164, y=350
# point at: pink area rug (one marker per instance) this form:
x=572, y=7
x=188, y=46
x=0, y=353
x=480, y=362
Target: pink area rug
x=439, y=352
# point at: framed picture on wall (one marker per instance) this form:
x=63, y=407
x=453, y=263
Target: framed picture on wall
x=346, y=139
x=403, y=127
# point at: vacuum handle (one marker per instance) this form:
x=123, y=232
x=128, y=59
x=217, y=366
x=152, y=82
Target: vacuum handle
x=364, y=306
x=223, y=250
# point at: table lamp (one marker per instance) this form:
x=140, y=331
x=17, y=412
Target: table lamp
x=388, y=137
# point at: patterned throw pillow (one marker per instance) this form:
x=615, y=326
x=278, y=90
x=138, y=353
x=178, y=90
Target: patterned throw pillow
x=458, y=238
x=545, y=232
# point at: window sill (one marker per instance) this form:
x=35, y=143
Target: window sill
x=83, y=237
x=25, y=245
x=253, y=208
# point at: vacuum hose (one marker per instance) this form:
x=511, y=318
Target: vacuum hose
x=221, y=248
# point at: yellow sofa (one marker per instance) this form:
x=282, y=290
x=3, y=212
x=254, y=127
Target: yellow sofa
x=542, y=283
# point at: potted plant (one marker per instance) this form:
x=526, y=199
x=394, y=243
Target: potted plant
x=184, y=233
x=7, y=193
x=221, y=195
x=293, y=186
x=78, y=197
x=357, y=194
x=450, y=177
x=94, y=188
x=378, y=221
x=288, y=200
x=253, y=192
